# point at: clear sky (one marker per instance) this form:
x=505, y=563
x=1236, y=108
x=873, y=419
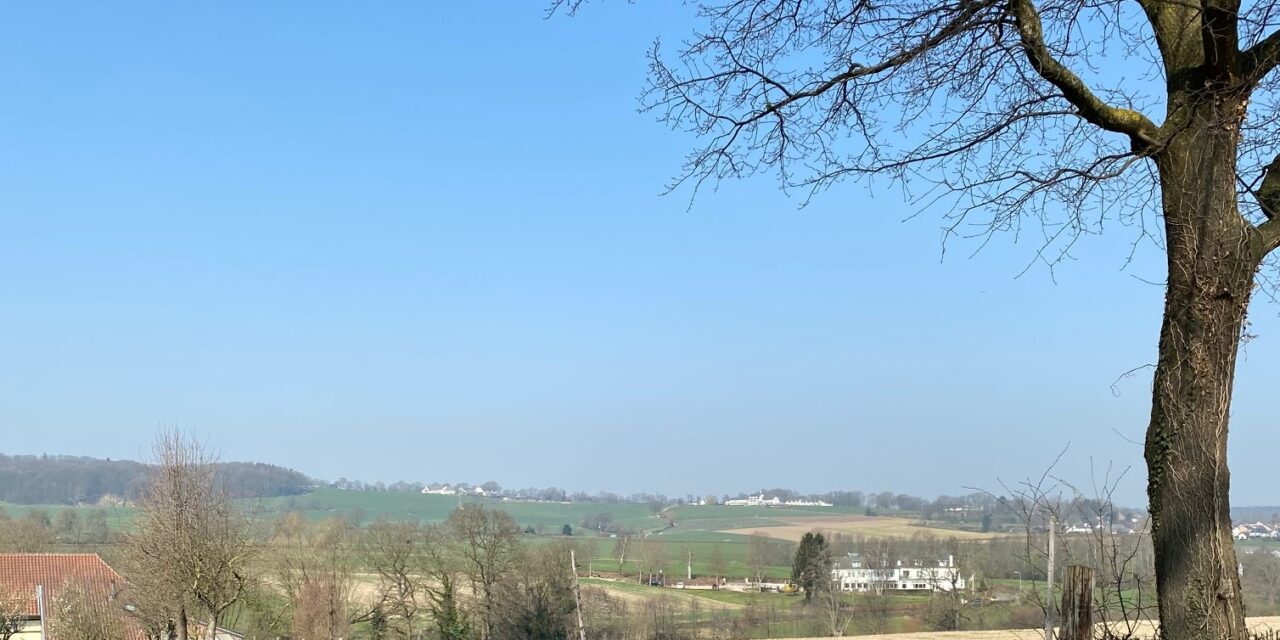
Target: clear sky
x=427, y=242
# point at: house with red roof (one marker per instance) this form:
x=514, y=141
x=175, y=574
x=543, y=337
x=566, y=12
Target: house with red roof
x=33, y=583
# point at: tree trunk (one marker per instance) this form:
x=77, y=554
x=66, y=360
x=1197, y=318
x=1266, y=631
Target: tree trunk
x=1213, y=256
x=182, y=623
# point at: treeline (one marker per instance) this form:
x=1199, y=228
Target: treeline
x=75, y=480
x=37, y=532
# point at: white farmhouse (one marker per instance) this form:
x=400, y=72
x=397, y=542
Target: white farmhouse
x=854, y=573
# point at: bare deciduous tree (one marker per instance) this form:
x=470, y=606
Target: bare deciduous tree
x=319, y=610
x=620, y=549
x=13, y=613
x=190, y=547
x=838, y=612
x=394, y=550
x=1044, y=111
x=442, y=566
x=1119, y=556
x=651, y=555
x=311, y=565
x=485, y=543
x=78, y=613
x=717, y=563
x=757, y=555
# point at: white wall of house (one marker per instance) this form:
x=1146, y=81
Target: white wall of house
x=937, y=575
x=30, y=631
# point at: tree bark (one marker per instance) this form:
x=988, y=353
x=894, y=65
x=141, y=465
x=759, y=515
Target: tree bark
x=1213, y=255
x=1077, y=604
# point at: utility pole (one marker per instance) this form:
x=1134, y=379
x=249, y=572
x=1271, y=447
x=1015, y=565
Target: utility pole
x=1048, y=601
x=689, y=565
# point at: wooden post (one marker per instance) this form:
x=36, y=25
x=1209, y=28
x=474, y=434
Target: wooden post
x=1077, y=604
x=577, y=595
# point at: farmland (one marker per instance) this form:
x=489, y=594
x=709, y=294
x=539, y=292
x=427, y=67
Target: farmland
x=714, y=536
x=791, y=528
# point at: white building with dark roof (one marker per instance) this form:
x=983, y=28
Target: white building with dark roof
x=855, y=573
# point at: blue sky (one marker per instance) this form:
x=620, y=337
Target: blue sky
x=428, y=243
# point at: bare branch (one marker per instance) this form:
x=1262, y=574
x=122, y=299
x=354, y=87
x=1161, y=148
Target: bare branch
x=1127, y=121
x=1257, y=61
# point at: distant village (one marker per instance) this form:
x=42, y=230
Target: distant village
x=1256, y=531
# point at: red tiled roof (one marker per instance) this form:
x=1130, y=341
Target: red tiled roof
x=20, y=573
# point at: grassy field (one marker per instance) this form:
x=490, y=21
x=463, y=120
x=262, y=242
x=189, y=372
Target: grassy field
x=415, y=507
x=704, y=531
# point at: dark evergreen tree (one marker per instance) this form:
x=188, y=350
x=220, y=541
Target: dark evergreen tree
x=811, y=570
x=377, y=624
x=451, y=621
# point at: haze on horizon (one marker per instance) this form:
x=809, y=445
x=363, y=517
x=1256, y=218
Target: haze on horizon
x=428, y=243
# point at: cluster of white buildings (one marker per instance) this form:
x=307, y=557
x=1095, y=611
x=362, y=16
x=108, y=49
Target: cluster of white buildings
x=855, y=573
x=761, y=501
x=1256, y=531
x=446, y=490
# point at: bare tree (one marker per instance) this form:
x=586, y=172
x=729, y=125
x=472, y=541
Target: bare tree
x=394, y=550
x=485, y=543
x=997, y=110
x=319, y=610
x=13, y=613
x=537, y=601
x=78, y=613
x=757, y=555
x=652, y=556
x=838, y=612
x=717, y=563
x=24, y=535
x=946, y=608
x=877, y=609
x=311, y=564
x=880, y=557
x=620, y=549
x=1120, y=557
x=441, y=564
x=191, y=546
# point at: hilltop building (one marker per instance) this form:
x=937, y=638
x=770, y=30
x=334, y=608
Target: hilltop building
x=761, y=501
x=754, y=501
x=446, y=490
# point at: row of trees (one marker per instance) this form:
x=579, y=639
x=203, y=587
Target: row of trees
x=35, y=531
